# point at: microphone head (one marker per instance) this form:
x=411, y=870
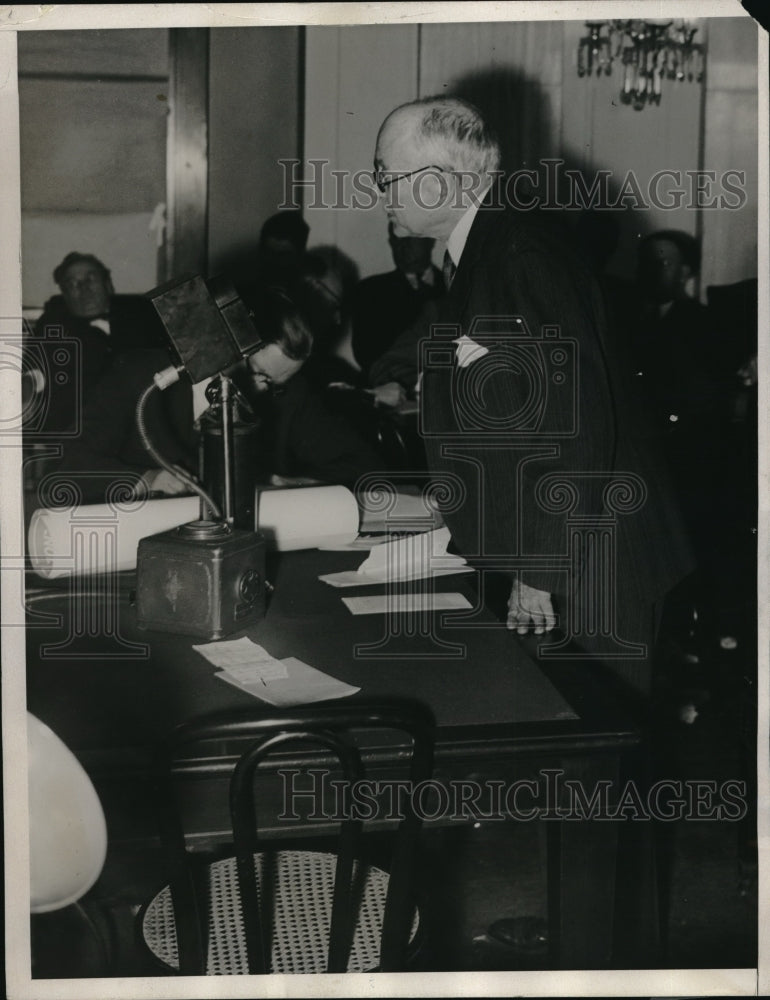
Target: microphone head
x=235, y=314
x=208, y=332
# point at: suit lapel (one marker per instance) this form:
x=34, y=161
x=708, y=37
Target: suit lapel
x=473, y=255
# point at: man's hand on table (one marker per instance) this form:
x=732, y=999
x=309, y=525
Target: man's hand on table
x=391, y=394
x=529, y=608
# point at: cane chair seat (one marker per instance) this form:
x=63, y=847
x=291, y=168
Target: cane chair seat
x=278, y=910
x=301, y=886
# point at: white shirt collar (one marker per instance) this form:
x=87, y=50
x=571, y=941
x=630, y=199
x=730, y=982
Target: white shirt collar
x=101, y=323
x=459, y=235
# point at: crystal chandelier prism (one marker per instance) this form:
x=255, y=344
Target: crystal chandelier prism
x=648, y=52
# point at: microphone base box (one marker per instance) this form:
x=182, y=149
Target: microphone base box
x=206, y=581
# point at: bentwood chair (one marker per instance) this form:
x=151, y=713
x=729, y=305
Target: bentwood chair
x=286, y=911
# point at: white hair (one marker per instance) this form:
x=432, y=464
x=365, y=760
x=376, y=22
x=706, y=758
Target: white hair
x=455, y=132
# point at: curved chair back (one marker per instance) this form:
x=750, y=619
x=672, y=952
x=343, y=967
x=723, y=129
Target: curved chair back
x=333, y=728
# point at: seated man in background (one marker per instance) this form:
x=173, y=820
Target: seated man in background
x=674, y=357
x=103, y=325
x=326, y=295
x=384, y=305
x=278, y=259
x=394, y=376
x=297, y=439
x=323, y=294
x=676, y=364
x=283, y=241
x=318, y=281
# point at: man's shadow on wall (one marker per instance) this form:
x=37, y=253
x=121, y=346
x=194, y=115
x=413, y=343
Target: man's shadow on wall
x=520, y=112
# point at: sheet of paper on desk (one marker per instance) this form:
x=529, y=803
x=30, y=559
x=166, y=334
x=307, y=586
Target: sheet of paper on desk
x=242, y=658
x=355, y=578
x=380, y=604
x=302, y=685
x=411, y=557
x=363, y=543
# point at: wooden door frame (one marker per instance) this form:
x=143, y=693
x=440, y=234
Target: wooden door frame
x=187, y=153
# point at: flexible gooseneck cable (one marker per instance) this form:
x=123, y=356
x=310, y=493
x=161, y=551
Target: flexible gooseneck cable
x=161, y=381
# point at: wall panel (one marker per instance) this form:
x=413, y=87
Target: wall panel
x=354, y=77
x=524, y=76
x=730, y=143
x=93, y=107
x=254, y=121
x=511, y=71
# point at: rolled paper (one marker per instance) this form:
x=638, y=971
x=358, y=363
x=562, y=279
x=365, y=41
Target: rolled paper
x=100, y=538
x=103, y=538
x=67, y=830
x=307, y=516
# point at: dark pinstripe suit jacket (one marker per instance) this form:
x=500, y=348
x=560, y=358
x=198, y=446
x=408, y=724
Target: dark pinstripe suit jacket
x=542, y=437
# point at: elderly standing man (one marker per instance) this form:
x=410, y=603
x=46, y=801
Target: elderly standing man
x=521, y=404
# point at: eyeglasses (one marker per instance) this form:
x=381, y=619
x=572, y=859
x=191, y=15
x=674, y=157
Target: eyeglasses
x=383, y=182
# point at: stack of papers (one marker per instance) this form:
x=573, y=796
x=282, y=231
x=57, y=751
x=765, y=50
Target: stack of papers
x=407, y=512
x=412, y=557
x=249, y=667
x=402, y=514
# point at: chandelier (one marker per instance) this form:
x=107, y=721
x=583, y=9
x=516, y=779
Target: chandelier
x=649, y=52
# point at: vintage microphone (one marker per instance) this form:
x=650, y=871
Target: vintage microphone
x=205, y=578
x=239, y=497
x=161, y=381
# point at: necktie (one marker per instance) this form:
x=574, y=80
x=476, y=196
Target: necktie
x=448, y=269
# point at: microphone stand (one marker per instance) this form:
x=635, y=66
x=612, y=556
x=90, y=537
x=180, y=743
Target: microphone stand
x=221, y=397
x=227, y=446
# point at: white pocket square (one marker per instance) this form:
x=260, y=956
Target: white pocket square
x=468, y=351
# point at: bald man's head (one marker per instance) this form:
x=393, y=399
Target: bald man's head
x=451, y=129
x=432, y=157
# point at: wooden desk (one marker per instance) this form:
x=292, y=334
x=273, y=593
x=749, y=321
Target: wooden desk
x=111, y=691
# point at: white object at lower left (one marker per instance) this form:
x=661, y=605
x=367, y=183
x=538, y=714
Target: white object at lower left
x=67, y=829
